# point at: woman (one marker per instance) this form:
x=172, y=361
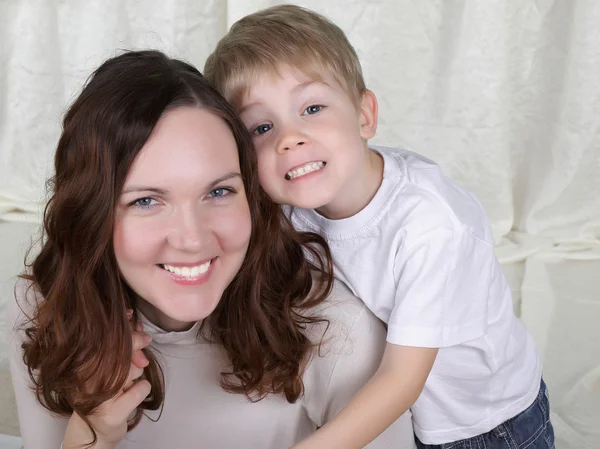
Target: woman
x=157, y=223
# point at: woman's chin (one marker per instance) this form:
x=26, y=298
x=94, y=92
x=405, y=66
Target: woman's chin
x=177, y=317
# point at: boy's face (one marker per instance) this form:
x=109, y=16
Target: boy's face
x=310, y=140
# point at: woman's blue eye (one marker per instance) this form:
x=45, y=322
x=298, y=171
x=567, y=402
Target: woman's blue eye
x=221, y=192
x=261, y=129
x=144, y=203
x=313, y=109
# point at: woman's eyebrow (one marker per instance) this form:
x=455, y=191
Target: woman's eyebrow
x=159, y=191
x=224, y=178
x=144, y=189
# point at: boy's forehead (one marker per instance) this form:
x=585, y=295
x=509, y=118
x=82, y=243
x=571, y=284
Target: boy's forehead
x=286, y=76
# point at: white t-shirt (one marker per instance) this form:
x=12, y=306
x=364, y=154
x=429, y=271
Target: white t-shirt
x=421, y=257
x=198, y=413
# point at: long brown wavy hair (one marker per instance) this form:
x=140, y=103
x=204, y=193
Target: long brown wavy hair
x=78, y=345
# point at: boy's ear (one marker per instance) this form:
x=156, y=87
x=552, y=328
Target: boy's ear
x=368, y=115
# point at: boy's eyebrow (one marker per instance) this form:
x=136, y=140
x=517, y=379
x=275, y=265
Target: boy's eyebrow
x=159, y=191
x=297, y=88
x=303, y=86
x=247, y=106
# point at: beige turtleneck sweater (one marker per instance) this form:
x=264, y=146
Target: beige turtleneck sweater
x=199, y=414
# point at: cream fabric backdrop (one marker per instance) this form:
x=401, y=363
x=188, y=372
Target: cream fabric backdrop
x=504, y=94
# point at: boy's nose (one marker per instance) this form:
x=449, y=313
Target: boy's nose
x=290, y=146
x=291, y=136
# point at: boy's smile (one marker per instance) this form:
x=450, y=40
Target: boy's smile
x=311, y=142
x=305, y=169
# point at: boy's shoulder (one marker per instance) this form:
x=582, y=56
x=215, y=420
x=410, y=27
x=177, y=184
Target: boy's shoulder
x=422, y=197
x=415, y=174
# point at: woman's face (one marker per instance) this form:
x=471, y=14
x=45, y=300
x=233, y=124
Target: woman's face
x=183, y=223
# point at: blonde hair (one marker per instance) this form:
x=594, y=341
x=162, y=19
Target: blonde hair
x=283, y=35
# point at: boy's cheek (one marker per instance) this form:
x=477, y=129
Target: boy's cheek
x=266, y=174
x=265, y=160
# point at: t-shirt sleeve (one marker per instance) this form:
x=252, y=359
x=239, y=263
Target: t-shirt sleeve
x=352, y=357
x=443, y=280
x=39, y=428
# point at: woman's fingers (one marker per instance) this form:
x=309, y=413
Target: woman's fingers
x=139, y=359
x=110, y=419
x=117, y=412
x=131, y=399
x=134, y=374
x=140, y=341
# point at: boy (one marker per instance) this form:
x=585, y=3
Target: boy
x=414, y=246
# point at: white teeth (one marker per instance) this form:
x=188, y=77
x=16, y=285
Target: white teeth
x=189, y=272
x=305, y=169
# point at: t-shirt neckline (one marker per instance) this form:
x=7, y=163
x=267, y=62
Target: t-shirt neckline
x=346, y=227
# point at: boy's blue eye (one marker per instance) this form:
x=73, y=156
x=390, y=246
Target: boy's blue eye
x=261, y=129
x=313, y=109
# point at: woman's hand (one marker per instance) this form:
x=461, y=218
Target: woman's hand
x=109, y=420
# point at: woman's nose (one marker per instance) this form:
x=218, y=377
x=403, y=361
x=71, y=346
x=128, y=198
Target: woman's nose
x=188, y=231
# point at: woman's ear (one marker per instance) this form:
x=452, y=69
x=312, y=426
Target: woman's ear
x=368, y=115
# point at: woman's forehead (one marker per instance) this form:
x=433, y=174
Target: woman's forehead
x=188, y=143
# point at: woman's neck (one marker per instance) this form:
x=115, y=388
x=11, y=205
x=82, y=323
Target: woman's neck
x=161, y=320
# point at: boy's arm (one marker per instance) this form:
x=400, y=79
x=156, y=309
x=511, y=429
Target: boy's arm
x=391, y=391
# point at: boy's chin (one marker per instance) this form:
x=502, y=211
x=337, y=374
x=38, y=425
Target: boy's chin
x=308, y=203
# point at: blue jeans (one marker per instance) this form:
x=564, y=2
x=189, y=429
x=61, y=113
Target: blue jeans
x=530, y=429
